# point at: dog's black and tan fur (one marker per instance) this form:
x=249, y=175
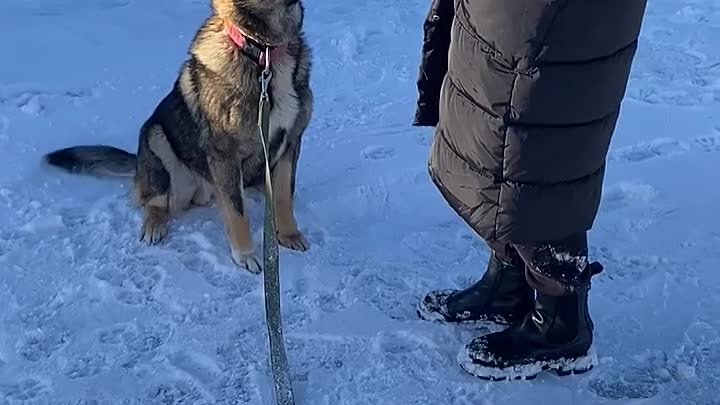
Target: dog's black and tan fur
x=203, y=140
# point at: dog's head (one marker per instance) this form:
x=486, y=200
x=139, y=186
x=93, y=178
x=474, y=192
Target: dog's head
x=268, y=21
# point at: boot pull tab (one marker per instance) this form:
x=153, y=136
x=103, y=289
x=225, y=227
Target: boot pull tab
x=596, y=268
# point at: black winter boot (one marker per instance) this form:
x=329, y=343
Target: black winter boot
x=502, y=296
x=556, y=335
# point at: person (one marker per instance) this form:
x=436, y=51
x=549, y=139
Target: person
x=524, y=97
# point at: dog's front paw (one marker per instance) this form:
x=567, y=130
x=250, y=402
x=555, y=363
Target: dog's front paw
x=294, y=241
x=247, y=261
x=153, y=232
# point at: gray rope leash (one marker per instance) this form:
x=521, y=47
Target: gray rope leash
x=271, y=263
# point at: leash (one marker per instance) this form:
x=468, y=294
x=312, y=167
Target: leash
x=271, y=263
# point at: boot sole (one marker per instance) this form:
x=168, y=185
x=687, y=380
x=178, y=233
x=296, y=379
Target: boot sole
x=562, y=367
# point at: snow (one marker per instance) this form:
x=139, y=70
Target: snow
x=91, y=316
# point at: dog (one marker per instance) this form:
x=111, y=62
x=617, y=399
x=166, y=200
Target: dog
x=202, y=142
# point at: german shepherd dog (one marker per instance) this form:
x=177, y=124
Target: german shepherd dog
x=203, y=141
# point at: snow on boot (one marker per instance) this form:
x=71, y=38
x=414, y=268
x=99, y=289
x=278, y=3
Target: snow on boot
x=556, y=335
x=502, y=296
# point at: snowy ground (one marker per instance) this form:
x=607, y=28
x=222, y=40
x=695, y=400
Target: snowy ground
x=89, y=315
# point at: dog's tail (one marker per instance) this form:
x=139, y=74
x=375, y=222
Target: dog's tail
x=98, y=160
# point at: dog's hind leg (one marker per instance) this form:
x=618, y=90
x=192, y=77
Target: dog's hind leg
x=163, y=184
x=227, y=177
x=203, y=194
x=152, y=192
x=183, y=182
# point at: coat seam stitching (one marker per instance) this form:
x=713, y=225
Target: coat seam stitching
x=486, y=47
x=595, y=121
x=502, y=159
x=507, y=123
x=479, y=172
x=471, y=99
x=583, y=178
x=598, y=59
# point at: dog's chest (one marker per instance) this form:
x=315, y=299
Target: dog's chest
x=285, y=106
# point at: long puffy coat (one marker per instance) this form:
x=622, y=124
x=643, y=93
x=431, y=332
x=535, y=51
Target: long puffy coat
x=525, y=96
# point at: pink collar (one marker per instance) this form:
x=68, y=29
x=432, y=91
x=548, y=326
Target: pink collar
x=252, y=48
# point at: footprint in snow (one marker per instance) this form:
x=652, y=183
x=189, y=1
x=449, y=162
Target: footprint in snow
x=657, y=148
x=635, y=386
x=26, y=389
x=378, y=152
x=208, y=311
x=238, y=387
x=177, y=392
x=118, y=334
x=35, y=99
x=388, y=293
x=683, y=375
x=467, y=395
x=709, y=143
x=331, y=358
x=43, y=343
x=631, y=269
x=134, y=284
x=31, y=105
x=627, y=194
x=694, y=14
x=4, y=125
x=85, y=366
x=133, y=344
x=201, y=368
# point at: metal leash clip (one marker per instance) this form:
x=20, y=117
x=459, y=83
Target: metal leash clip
x=265, y=77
